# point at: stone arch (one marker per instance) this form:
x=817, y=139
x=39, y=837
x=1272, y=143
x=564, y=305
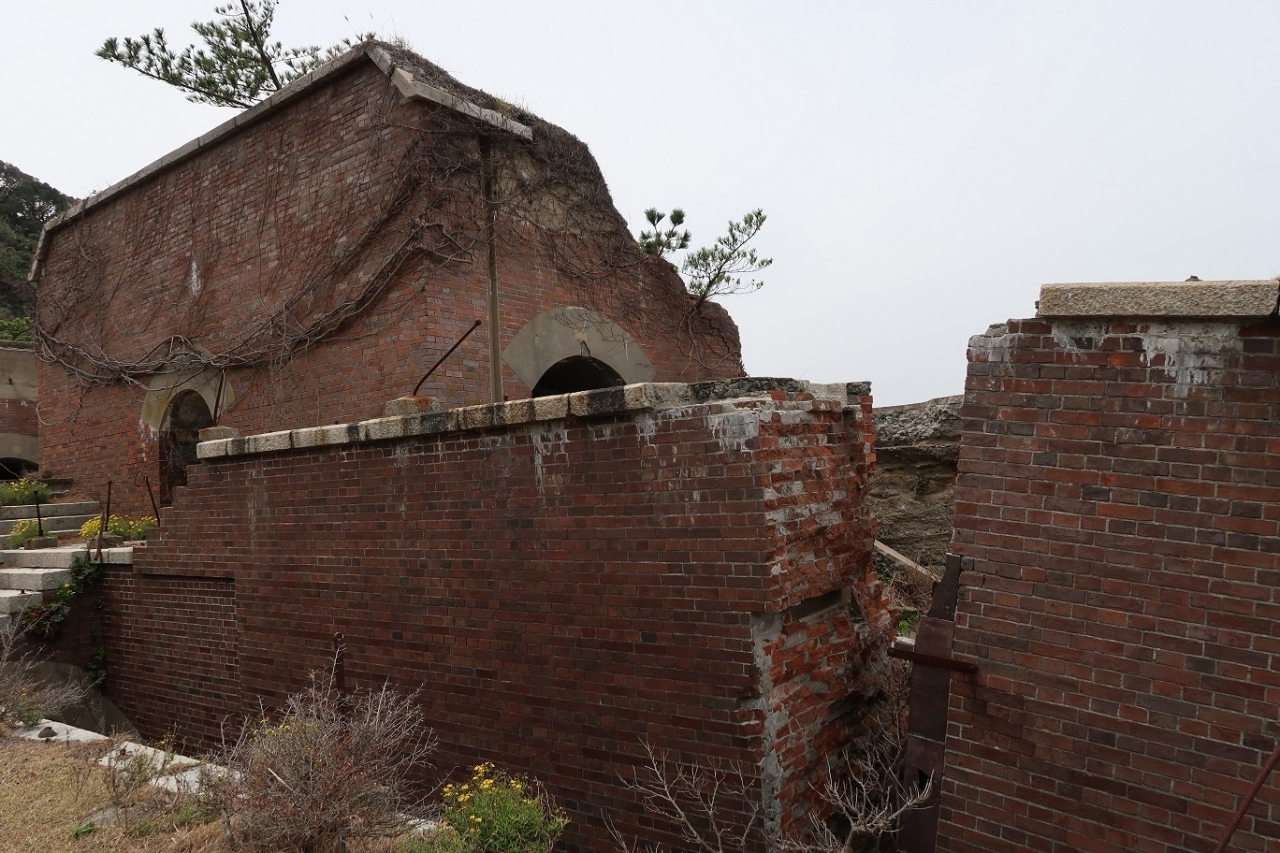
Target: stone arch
x=165, y=386
x=576, y=373
x=186, y=415
x=19, y=455
x=552, y=340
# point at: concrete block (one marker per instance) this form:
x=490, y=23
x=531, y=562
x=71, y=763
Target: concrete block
x=338, y=434
x=50, y=558
x=519, y=412
x=552, y=408
x=666, y=394
x=33, y=579
x=1245, y=299
x=745, y=386
x=430, y=423
x=478, y=417
x=122, y=556
x=598, y=402
x=382, y=429
x=309, y=437
x=270, y=441
x=50, y=510
x=13, y=601
x=63, y=733
x=402, y=406
x=213, y=449
x=214, y=433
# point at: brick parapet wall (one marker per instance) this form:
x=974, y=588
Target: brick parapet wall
x=1119, y=491
x=567, y=578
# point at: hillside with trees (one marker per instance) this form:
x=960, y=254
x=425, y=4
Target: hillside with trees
x=26, y=203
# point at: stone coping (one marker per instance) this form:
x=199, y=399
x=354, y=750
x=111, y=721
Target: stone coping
x=602, y=402
x=1243, y=299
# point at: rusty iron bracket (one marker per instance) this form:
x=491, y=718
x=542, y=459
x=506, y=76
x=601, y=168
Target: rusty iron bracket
x=465, y=335
x=932, y=660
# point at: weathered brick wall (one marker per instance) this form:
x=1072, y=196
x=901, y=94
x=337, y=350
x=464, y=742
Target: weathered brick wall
x=1120, y=494
x=200, y=255
x=566, y=579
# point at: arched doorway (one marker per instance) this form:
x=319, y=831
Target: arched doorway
x=187, y=414
x=576, y=373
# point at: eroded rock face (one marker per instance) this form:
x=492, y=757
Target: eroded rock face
x=913, y=490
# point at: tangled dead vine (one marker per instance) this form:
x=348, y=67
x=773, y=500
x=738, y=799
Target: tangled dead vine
x=428, y=226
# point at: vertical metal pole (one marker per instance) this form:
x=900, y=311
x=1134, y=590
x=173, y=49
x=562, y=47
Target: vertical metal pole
x=490, y=231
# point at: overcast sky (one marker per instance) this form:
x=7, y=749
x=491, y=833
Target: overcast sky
x=925, y=167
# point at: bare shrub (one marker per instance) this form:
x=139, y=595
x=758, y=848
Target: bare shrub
x=691, y=798
x=25, y=696
x=863, y=790
x=333, y=768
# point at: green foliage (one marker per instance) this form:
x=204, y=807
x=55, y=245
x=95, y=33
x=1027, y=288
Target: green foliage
x=659, y=242
x=718, y=270
x=494, y=812
x=23, y=531
x=45, y=620
x=721, y=269
x=17, y=329
x=26, y=204
x=238, y=65
x=125, y=526
x=84, y=830
x=96, y=666
x=24, y=491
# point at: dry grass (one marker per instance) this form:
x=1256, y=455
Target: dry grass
x=47, y=790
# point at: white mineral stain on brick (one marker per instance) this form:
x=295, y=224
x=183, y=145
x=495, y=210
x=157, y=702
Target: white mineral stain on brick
x=733, y=430
x=1190, y=353
x=547, y=443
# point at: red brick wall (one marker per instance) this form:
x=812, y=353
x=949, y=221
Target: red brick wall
x=260, y=216
x=19, y=417
x=562, y=590
x=1119, y=491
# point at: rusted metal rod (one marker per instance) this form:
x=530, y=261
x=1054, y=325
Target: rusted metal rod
x=1248, y=801
x=152, y=496
x=466, y=335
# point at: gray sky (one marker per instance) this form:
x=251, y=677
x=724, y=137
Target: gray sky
x=924, y=166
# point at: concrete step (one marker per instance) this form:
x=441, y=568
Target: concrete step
x=33, y=579
x=54, y=524
x=63, y=557
x=50, y=510
x=12, y=601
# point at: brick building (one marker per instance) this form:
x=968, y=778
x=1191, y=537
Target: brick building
x=307, y=261
x=1118, y=516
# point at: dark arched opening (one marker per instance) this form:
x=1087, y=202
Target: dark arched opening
x=180, y=433
x=576, y=373
x=12, y=468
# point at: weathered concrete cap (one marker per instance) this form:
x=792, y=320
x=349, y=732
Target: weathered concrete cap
x=215, y=433
x=1160, y=299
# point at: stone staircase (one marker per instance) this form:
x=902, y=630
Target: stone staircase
x=26, y=575
x=56, y=518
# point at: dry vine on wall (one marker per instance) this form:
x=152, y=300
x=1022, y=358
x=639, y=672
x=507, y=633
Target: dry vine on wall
x=414, y=211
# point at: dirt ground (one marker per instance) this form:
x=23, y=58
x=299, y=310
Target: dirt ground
x=53, y=798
